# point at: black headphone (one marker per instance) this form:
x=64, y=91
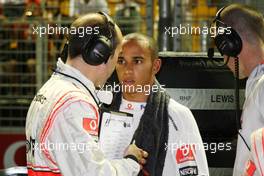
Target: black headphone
x=96, y=49
x=229, y=44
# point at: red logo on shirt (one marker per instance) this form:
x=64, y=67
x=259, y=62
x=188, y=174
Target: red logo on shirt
x=185, y=153
x=250, y=168
x=90, y=125
x=129, y=106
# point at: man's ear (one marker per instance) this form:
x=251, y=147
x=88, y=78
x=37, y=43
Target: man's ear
x=156, y=65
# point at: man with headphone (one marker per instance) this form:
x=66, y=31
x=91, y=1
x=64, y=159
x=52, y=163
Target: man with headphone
x=62, y=123
x=243, y=49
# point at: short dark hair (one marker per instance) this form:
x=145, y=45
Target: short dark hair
x=90, y=20
x=151, y=43
x=246, y=20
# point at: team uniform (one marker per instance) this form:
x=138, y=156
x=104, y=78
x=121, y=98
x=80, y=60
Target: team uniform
x=185, y=153
x=255, y=164
x=252, y=116
x=62, y=130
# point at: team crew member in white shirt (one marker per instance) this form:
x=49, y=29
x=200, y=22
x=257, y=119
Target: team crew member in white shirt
x=62, y=121
x=255, y=164
x=246, y=42
x=164, y=128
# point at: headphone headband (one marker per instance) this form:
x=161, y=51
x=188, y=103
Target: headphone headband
x=218, y=19
x=218, y=14
x=109, y=22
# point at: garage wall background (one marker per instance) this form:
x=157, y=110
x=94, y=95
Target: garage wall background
x=208, y=90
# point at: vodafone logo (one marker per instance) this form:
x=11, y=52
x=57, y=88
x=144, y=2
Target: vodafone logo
x=9, y=155
x=90, y=121
x=12, y=150
x=250, y=168
x=93, y=125
x=185, y=153
x=129, y=106
x=90, y=125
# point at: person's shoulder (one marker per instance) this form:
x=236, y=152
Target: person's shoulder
x=259, y=92
x=260, y=82
x=69, y=88
x=179, y=112
x=176, y=107
x=256, y=141
x=257, y=136
x=64, y=92
x=261, y=87
x=181, y=115
x=259, y=132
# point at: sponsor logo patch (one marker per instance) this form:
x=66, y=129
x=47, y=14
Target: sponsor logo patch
x=142, y=107
x=130, y=106
x=250, y=168
x=90, y=125
x=188, y=171
x=185, y=153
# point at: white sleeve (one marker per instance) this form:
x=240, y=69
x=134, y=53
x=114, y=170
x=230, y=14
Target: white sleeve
x=257, y=149
x=76, y=152
x=189, y=136
x=260, y=99
x=195, y=138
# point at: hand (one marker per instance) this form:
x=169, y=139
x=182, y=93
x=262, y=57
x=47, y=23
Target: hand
x=140, y=154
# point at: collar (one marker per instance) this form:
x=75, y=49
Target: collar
x=69, y=70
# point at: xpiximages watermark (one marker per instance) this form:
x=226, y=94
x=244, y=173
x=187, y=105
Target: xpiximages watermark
x=60, y=30
x=190, y=30
x=146, y=89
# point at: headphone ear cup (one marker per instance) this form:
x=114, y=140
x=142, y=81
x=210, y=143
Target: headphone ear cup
x=229, y=44
x=97, y=51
